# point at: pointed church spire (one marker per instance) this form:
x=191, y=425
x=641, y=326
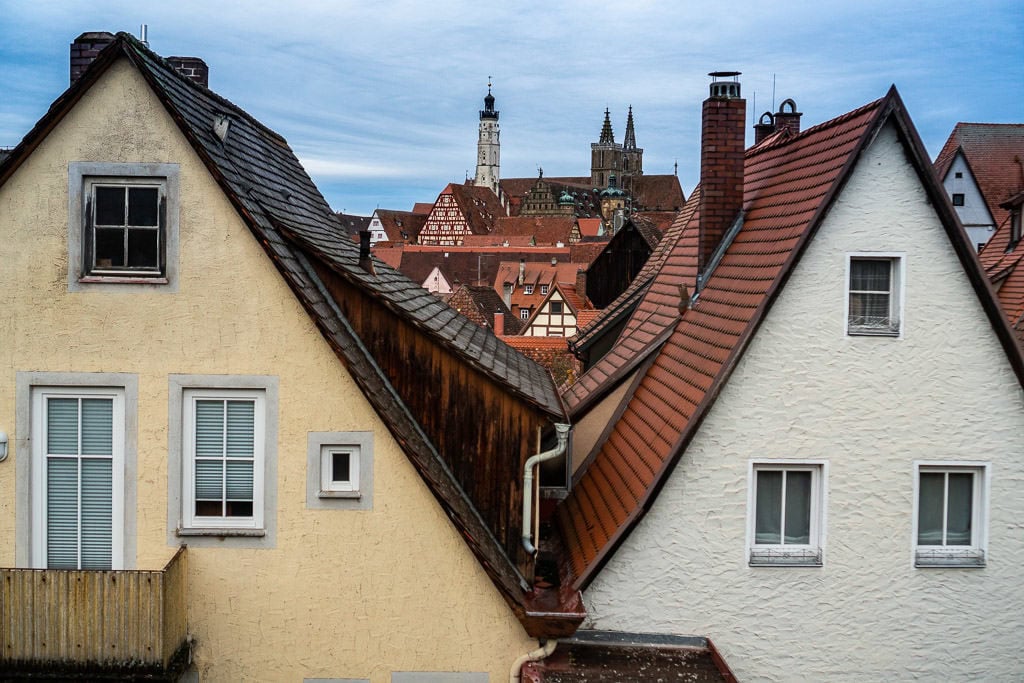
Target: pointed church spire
x=488, y=111
x=607, y=137
x=630, y=141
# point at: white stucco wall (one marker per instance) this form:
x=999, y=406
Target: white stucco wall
x=974, y=213
x=869, y=407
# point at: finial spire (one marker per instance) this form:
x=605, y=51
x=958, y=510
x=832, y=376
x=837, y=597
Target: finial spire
x=607, y=136
x=630, y=141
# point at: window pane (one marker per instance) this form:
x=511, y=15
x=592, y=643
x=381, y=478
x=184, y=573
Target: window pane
x=110, y=206
x=109, y=247
x=97, y=513
x=210, y=480
x=209, y=428
x=959, y=508
x=798, y=507
x=241, y=425
x=97, y=426
x=62, y=512
x=143, y=248
x=869, y=310
x=768, y=522
x=340, y=467
x=62, y=426
x=931, y=493
x=142, y=206
x=870, y=275
x=239, y=481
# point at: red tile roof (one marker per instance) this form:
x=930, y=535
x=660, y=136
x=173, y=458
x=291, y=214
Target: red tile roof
x=545, y=230
x=995, y=153
x=401, y=226
x=790, y=182
x=590, y=227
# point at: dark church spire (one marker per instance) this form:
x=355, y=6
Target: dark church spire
x=488, y=111
x=630, y=142
x=607, y=137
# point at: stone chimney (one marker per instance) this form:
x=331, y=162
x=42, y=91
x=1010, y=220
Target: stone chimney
x=788, y=118
x=84, y=50
x=721, y=162
x=192, y=68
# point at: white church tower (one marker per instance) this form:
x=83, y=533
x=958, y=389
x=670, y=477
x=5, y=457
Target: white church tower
x=488, y=146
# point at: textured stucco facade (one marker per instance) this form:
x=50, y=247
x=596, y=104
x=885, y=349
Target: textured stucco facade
x=337, y=593
x=868, y=407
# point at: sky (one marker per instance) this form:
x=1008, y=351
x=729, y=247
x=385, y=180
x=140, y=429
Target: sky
x=380, y=100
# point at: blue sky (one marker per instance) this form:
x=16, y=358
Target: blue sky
x=380, y=99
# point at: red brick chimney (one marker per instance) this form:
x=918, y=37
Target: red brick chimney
x=192, y=68
x=84, y=50
x=721, y=162
x=788, y=120
x=499, y=324
x=764, y=127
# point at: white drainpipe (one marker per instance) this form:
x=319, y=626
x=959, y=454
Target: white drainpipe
x=562, y=430
x=515, y=675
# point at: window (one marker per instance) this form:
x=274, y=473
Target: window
x=78, y=439
x=543, y=289
x=786, y=514
x=339, y=470
x=949, y=515
x=123, y=225
x=556, y=307
x=222, y=459
x=223, y=441
x=958, y=199
x=524, y=313
x=1015, y=226
x=874, y=296
x=528, y=289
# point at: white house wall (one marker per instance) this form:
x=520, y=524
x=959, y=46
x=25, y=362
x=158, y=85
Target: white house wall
x=870, y=407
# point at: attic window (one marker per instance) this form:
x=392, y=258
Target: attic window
x=958, y=199
x=958, y=174
x=543, y=289
x=874, y=295
x=528, y=289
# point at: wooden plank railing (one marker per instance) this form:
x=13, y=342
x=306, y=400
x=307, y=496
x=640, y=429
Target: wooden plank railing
x=130, y=618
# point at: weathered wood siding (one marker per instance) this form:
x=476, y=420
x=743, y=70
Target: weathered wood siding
x=93, y=617
x=484, y=432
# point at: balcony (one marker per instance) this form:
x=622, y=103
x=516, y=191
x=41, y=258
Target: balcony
x=114, y=623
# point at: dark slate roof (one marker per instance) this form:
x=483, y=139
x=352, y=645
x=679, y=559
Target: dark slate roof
x=352, y=225
x=791, y=181
x=267, y=185
x=479, y=303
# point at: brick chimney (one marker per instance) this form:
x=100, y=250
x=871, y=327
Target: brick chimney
x=84, y=50
x=721, y=162
x=581, y=283
x=499, y=324
x=764, y=127
x=192, y=68
x=788, y=120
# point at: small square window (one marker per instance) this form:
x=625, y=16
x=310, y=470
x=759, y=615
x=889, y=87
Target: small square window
x=556, y=307
x=958, y=199
x=949, y=515
x=528, y=289
x=786, y=514
x=339, y=471
x=543, y=289
x=873, y=302
x=958, y=174
x=524, y=313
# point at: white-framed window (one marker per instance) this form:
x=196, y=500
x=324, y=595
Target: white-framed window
x=339, y=471
x=786, y=513
x=527, y=289
x=78, y=451
x=122, y=225
x=950, y=514
x=524, y=313
x=874, y=302
x=556, y=308
x=543, y=289
x=223, y=438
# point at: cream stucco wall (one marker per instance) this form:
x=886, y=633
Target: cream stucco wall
x=870, y=407
x=351, y=594
x=588, y=429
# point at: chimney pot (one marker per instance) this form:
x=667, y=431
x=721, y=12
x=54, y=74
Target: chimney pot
x=788, y=118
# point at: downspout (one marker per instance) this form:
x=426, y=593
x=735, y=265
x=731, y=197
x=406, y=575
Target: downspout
x=562, y=430
x=515, y=675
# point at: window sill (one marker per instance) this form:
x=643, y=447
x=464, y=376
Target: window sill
x=864, y=332
x=122, y=280
x=340, y=494
x=972, y=558
x=809, y=557
x=222, y=532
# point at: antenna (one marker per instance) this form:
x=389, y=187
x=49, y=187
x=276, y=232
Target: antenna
x=773, y=92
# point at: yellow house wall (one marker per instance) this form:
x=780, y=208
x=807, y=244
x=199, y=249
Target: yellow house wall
x=350, y=594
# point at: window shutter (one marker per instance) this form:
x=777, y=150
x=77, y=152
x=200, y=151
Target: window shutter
x=88, y=245
x=62, y=513
x=97, y=504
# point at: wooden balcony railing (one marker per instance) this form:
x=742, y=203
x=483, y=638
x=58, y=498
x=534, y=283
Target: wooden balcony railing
x=126, y=620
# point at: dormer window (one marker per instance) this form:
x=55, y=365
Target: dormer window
x=528, y=289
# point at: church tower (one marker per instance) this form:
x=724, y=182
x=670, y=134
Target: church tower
x=605, y=155
x=632, y=156
x=488, y=146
